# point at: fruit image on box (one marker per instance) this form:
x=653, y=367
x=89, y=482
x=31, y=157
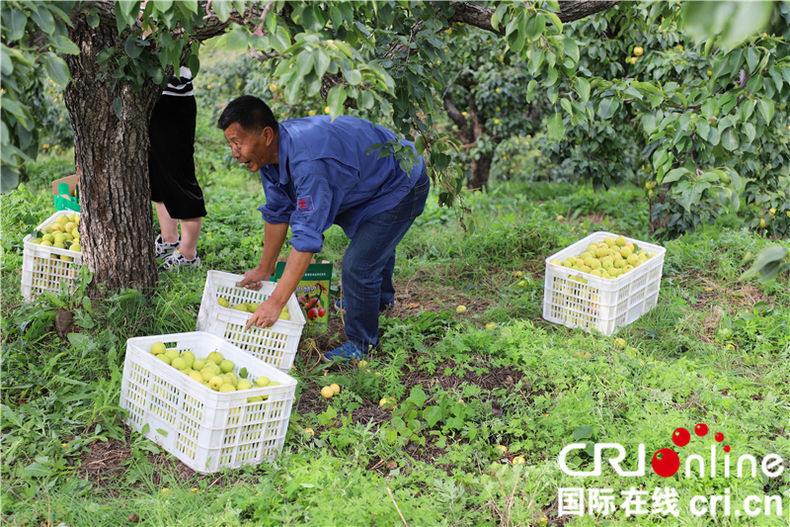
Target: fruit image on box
x=206, y=428
x=604, y=291
x=52, y=254
x=312, y=293
x=225, y=310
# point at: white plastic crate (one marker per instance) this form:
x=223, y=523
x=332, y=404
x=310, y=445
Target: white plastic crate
x=42, y=268
x=603, y=304
x=275, y=345
x=206, y=429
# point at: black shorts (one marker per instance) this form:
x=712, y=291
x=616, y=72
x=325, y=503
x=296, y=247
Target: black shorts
x=171, y=168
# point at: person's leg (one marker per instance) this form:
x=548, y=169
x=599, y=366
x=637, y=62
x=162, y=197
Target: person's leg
x=190, y=232
x=369, y=262
x=387, y=290
x=168, y=225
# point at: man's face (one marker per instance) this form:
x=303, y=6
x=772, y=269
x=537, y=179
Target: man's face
x=250, y=148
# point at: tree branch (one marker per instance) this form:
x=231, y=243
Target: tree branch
x=480, y=16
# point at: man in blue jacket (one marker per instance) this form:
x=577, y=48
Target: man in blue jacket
x=317, y=172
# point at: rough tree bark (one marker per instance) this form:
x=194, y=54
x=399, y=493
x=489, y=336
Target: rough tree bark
x=469, y=129
x=111, y=155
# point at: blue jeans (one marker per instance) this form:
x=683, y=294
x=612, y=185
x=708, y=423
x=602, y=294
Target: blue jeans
x=369, y=262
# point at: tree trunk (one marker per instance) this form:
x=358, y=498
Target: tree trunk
x=482, y=166
x=116, y=223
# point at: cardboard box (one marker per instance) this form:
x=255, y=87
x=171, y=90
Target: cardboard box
x=65, y=193
x=312, y=293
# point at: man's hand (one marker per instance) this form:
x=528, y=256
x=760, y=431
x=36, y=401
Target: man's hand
x=266, y=315
x=252, y=279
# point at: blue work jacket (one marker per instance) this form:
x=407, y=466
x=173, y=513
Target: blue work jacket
x=325, y=175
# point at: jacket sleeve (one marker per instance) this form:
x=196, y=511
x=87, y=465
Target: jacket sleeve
x=320, y=188
x=279, y=206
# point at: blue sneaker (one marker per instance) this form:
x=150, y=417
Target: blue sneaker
x=346, y=352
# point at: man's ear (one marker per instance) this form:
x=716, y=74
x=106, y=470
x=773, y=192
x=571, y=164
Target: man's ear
x=268, y=135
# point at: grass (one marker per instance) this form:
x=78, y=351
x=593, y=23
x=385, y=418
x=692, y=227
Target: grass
x=715, y=350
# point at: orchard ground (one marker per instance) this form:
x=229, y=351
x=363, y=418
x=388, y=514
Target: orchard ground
x=714, y=350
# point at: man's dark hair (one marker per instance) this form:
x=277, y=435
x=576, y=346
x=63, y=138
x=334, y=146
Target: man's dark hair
x=252, y=114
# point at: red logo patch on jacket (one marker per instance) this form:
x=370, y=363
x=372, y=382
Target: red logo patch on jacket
x=304, y=204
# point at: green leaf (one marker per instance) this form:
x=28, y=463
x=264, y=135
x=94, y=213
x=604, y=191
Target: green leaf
x=335, y=100
x=37, y=470
x=237, y=39
x=366, y=100
x=15, y=21
x=714, y=136
x=729, y=139
x=583, y=432
x=703, y=129
x=750, y=132
x=6, y=64
x=498, y=15
x=566, y=105
x=767, y=264
x=44, y=19
x=131, y=47
x=322, y=61
x=304, y=62
x=163, y=5
x=432, y=415
x=556, y=126
x=293, y=84
x=583, y=88
x=353, y=77
x=607, y=108
x=571, y=49
x=189, y=5
x=675, y=175
x=555, y=21
x=64, y=45
x=417, y=396
x=117, y=105
x=56, y=68
x=749, y=18
x=222, y=9
x=766, y=107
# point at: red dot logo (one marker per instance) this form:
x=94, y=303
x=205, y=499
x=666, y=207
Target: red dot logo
x=665, y=462
x=726, y=448
x=681, y=437
x=701, y=429
x=719, y=437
